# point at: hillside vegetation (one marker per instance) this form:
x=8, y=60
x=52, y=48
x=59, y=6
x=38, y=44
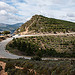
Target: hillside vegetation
x=41, y=24
x=47, y=46
x=39, y=67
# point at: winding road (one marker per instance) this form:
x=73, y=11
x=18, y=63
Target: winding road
x=5, y=54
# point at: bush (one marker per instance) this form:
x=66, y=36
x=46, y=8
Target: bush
x=55, y=32
x=6, y=32
x=1, y=68
x=37, y=58
x=9, y=65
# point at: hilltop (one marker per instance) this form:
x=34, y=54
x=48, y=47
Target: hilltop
x=41, y=24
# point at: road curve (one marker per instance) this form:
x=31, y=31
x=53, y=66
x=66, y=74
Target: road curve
x=5, y=54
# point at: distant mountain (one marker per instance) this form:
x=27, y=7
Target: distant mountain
x=3, y=25
x=41, y=24
x=8, y=27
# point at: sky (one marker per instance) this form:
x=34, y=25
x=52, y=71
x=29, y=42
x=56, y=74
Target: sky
x=16, y=11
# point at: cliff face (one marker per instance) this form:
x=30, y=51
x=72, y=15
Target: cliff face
x=41, y=24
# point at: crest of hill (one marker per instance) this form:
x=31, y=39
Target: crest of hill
x=41, y=24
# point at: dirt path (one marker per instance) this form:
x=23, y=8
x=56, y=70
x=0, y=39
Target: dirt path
x=3, y=66
x=30, y=70
x=26, y=30
x=18, y=67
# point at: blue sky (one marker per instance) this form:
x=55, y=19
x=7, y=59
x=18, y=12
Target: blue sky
x=15, y=11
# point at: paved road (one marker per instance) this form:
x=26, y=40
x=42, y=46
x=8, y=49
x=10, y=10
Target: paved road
x=5, y=54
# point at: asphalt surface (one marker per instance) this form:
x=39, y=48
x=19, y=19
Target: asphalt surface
x=5, y=54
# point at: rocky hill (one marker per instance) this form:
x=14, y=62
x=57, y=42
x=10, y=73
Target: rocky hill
x=41, y=24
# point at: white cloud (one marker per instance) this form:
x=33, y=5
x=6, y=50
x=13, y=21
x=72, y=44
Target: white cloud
x=8, y=8
x=71, y=14
x=8, y=13
x=3, y=12
x=21, y=10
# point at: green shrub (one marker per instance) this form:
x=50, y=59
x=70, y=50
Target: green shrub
x=1, y=68
x=9, y=65
x=37, y=58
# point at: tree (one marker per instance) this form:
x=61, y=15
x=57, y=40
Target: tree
x=37, y=58
x=9, y=65
x=6, y=32
x=1, y=68
x=0, y=33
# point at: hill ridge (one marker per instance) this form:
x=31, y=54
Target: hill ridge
x=46, y=25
